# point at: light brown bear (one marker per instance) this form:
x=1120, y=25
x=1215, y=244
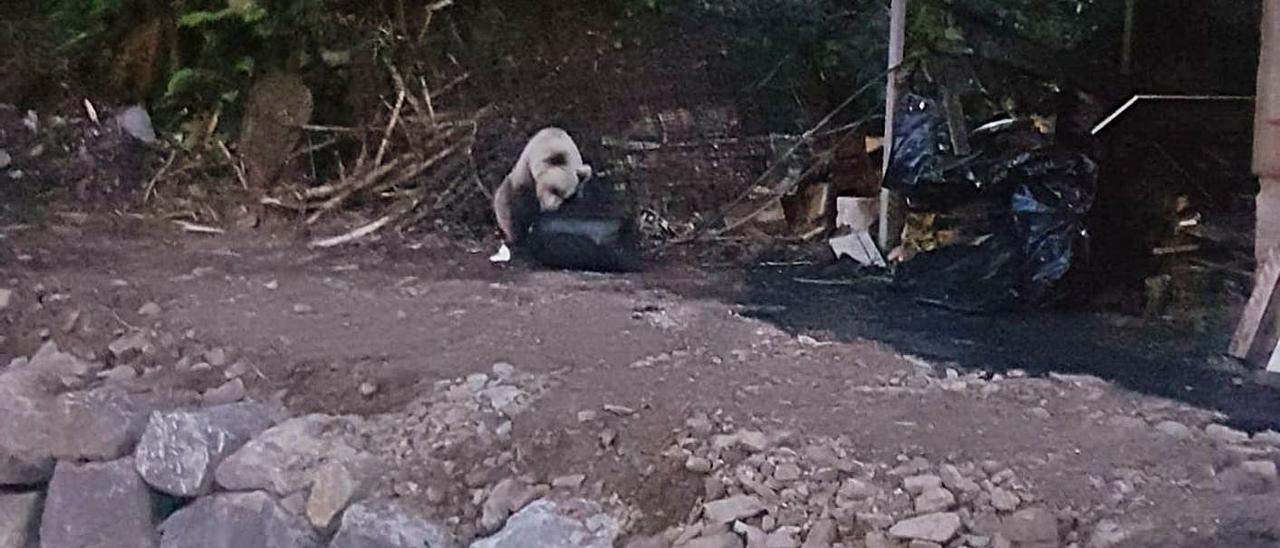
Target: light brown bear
x=549, y=171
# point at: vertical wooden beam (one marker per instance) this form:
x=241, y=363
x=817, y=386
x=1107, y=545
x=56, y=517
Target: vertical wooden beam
x=1126, y=44
x=1266, y=134
x=890, y=204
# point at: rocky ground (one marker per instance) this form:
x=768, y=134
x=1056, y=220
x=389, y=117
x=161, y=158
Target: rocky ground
x=173, y=390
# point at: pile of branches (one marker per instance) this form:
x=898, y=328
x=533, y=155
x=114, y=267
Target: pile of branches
x=416, y=165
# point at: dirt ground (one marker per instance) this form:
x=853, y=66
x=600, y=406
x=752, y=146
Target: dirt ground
x=841, y=363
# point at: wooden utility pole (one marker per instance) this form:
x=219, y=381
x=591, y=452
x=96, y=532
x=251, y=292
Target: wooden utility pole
x=891, y=218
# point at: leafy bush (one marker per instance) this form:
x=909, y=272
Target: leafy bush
x=203, y=53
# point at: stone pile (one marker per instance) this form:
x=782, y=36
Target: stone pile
x=88, y=461
x=767, y=490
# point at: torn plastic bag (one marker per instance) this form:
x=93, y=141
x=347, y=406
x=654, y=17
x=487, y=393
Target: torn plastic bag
x=920, y=147
x=1055, y=192
x=982, y=277
x=922, y=167
x=1032, y=248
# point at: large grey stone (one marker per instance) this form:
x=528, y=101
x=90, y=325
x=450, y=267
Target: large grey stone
x=20, y=520
x=382, y=524
x=22, y=472
x=547, y=524
x=283, y=459
x=97, y=505
x=237, y=520
x=939, y=527
x=180, y=450
x=40, y=421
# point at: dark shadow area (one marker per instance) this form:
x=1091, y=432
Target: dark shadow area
x=1155, y=358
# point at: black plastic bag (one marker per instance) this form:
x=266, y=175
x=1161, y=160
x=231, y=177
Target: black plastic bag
x=1055, y=192
x=922, y=166
x=1033, y=245
x=983, y=277
x=595, y=230
x=582, y=242
x=920, y=148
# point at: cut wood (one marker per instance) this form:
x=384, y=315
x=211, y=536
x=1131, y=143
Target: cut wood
x=354, y=234
x=198, y=228
x=1260, y=302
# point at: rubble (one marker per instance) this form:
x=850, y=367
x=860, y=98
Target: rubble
x=283, y=459
x=937, y=527
x=733, y=509
x=97, y=505
x=547, y=524
x=180, y=450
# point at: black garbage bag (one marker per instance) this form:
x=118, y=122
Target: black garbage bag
x=1032, y=247
x=920, y=147
x=585, y=242
x=595, y=231
x=984, y=277
x=922, y=166
x=1055, y=191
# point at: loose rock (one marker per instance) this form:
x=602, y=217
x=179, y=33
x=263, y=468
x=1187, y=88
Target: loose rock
x=698, y=465
x=919, y=484
x=547, y=524
x=230, y=392
x=938, y=527
x=821, y=534
x=1031, y=526
x=952, y=479
x=150, y=309
x=1224, y=435
x=733, y=509
x=1004, y=501
x=236, y=520
x=180, y=450
x=508, y=496
x=935, y=499
x=383, y=524
x=721, y=540
x=1175, y=429
x=6, y=295
x=336, y=485
x=283, y=459
x=20, y=519
x=97, y=505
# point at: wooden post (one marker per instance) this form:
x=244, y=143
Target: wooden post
x=1126, y=45
x=891, y=204
x=1266, y=134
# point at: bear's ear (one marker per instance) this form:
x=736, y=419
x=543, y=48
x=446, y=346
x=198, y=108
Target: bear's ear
x=584, y=172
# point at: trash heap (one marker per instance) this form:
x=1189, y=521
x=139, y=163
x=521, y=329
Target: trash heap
x=1025, y=201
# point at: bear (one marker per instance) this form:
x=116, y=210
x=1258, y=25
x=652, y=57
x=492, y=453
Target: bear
x=549, y=171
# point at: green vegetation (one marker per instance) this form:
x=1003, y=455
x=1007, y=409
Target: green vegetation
x=784, y=58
